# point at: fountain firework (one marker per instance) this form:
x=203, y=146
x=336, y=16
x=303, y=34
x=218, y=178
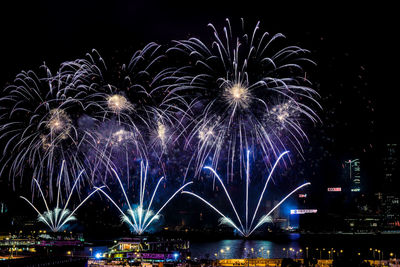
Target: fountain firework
x=247, y=228
x=56, y=218
x=139, y=217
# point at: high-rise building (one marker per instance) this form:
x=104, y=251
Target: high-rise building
x=390, y=162
x=352, y=174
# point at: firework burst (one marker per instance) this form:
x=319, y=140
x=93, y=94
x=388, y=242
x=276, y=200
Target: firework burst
x=37, y=126
x=129, y=98
x=241, y=84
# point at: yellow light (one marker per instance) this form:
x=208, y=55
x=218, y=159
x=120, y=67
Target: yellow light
x=118, y=103
x=161, y=131
x=69, y=252
x=59, y=122
x=237, y=94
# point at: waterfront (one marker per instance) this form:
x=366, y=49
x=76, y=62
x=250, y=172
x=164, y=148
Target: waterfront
x=237, y=249
x=321, y=246
x=277, y=249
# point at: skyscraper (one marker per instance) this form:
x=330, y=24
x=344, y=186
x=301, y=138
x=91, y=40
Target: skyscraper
x=352, y=173
x=390, y=162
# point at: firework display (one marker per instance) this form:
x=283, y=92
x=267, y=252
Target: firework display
x=247, y=228
x=56, y=218
x=128, y=103
x=180, y=107
x=248, y=90
x=37, y=128
x=138, y=217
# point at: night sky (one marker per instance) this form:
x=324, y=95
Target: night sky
x=354, y=48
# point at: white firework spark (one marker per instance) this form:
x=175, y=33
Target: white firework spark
x=233, y=84
x=36, y=126
x=140, y=217
x=248, y=227
x=57, y=217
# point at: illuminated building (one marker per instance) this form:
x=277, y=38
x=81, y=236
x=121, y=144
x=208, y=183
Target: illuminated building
x=390, y=163
x=148, y=250
x=352, y=173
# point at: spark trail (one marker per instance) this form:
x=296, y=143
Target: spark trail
x=246, y=88
x=246, y=229
x=139, y=218
x=57, y=217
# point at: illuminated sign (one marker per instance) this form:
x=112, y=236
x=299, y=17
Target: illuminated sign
x=302, y=195
x=334, y=189
x=303, y=211
x=60, y=243
x=355, y=190
x=154, y=256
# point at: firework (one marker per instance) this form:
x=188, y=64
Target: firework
x=247, y=90
x=56, y=218
x=140, y=217
x=248, y=227
x=37, y=126
x=129, y=103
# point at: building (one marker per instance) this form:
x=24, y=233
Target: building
x=151, y=250
x=352, y=174
x=390, y=163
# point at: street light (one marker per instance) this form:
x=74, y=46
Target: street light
x=287, y=252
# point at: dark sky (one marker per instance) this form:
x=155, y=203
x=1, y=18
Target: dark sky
x=354, y=47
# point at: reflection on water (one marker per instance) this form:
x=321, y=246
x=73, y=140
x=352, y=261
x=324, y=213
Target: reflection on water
x=235, y=249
